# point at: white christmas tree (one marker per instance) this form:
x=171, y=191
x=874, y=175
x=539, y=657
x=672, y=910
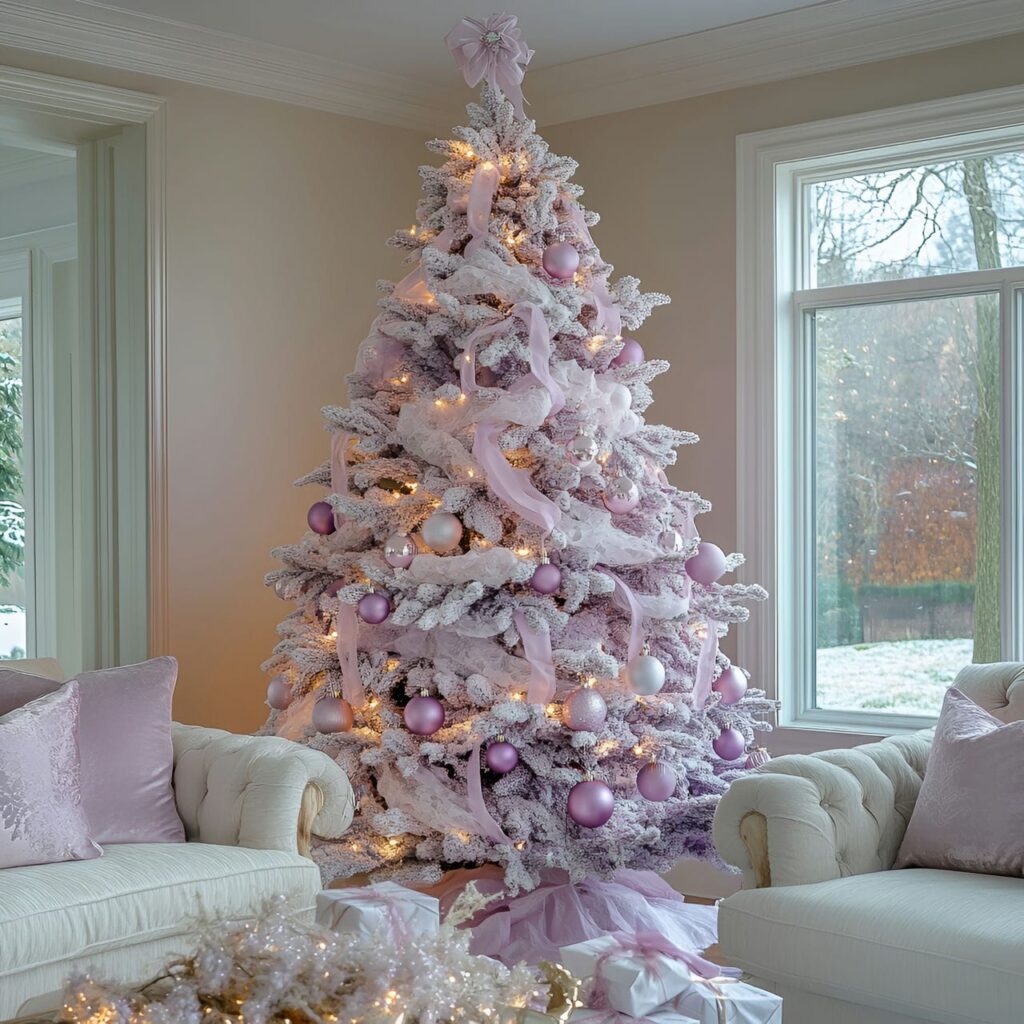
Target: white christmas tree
x=506, y=627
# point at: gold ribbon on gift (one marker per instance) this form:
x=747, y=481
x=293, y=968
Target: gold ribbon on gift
x=721, y=999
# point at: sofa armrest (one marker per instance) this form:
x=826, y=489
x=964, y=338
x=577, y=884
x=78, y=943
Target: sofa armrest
x=813, y=817
x=261, y=792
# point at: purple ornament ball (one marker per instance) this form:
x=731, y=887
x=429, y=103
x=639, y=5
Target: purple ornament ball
x=321, y=518
x=373, y=608
x=757, y=757
x=561, y=261
x=590, y=803
x=584, y=710
x=423, y=715
x=546, y=579
x=729, y=744
x=731, y=684
x=656, y=781
x=279, y=693
x=632, y=353
x=501, y=757
x=621, y=496
x=332, y=714
x=707, y=565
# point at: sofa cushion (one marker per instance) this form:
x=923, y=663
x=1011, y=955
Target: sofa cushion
x=941, y=945
x=72, y=911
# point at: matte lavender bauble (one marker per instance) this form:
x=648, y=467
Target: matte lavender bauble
x=399, y=550
x=621, y=495
x=645, y=675
x=729, y=744
x=441, y=532
x=671, y=541
x=757, y=757
x=321, y=518
x=584, y=710
x=583, y=448
x=707, y=564
x=546, y=578
x=423, y=715
x=590, y=803
x=656, y=781
x=731, y=684
x=279, y=693
x=561, y=260
x=332, y=714
x=631, y=353
x=501, y=757
x=373, y=608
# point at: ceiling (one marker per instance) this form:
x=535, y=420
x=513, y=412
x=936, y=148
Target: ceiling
x=385, y=60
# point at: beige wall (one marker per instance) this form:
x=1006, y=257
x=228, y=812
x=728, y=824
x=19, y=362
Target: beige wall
x=276, y=220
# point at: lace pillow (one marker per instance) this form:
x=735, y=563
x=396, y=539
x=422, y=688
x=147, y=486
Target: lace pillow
x=41, y=815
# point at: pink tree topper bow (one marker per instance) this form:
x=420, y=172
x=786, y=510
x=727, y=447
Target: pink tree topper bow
x=493, y=50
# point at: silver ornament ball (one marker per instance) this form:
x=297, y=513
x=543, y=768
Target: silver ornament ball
x=441, y=532
x=645, y=675
x=582, y=449
x=671, y=541
x=584, y=710
x=399, y=550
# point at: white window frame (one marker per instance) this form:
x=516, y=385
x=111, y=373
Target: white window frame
x=773, y=400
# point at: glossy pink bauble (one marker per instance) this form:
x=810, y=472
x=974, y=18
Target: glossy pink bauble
x=656, y=781
x=729, y=744
x=321, y=518
x=279, y=693
x=423, y=715
x=590, y=803
x=731, y=684
x=399, y=550
x=561, y=261
x=757, y=757
x=332, y=714
x=584, y=710
x=707, y=565
x=373, y=608
x=546, y=579
x=621, y=496
x=501, y=757
x=632, y=353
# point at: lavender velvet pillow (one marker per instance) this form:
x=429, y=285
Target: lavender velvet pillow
x=42, y=820
x=969, y=815
x=125, y=743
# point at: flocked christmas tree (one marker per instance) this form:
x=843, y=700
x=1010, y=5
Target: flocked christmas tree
x=506, y=628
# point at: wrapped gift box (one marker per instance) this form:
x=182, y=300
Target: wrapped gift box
x=727, y=1001
x=382, y=909
x=630, y=982
x=661, y=1016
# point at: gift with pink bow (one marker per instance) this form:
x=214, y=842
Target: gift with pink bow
x=391, y=911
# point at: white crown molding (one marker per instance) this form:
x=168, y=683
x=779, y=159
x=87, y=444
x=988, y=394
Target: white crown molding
x=826, y=36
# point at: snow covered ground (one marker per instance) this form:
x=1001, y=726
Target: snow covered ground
x=905, y=676
x=12, y=631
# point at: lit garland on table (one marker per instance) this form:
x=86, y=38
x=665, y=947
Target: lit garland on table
x=279, y=970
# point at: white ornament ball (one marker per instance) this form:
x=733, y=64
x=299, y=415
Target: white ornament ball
x=645, y=675
x=671, y=541
x=442, y=531
x=582, y=449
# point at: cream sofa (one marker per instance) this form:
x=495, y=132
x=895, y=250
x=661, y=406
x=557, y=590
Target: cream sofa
x=824, y=921
x=249, y=805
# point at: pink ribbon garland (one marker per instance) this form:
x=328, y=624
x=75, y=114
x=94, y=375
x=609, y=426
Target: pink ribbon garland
x=625, y=599
x=413, y=287
x=705, y=665
x=346, y=627
x=493, y=50
x=478, y=206
x=609, y=318
x=339, y=469
x=537, y=648
x=513, y=486
x=489, y=828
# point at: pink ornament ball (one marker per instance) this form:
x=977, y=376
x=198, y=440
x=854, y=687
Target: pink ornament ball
x=332, y=714
x=561, y=261
x=621, y=496
x=584, y=710
x=279, y=693
x=501, y=757
x=373, y=608
x=321, y=518
x=590, y=803
x=731, y=684
x=423, y=715
x=729, y=744
x=546, y=579
x=656, y=781
x=707, y=565
x=632, y=353
x=757, y=757
x=399, y=550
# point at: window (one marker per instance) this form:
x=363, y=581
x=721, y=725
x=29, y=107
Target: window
x=881, y=278
x=13, y=642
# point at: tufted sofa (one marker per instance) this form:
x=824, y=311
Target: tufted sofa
x=824, y=921
x=249, y=805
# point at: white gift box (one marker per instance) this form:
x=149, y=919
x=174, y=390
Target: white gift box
x=661, y=1016
x=631, y=983
x=382, y=909
x=727, y=1001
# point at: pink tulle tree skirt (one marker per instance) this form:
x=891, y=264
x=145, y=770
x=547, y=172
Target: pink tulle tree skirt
x=533, y=925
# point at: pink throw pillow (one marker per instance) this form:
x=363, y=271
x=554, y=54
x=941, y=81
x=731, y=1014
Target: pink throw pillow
x=125, y=743
x=969, y=815
x=42, y=820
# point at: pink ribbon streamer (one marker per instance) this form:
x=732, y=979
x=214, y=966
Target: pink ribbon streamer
x=512, y=485
x=346, y=627
x=478, y=207
x=339, y=469
x=625, y=599
x=705, y=665
x=493, y=50
x=537, y=648
x=489, y=828
x=413, y=287
x=609, y=319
